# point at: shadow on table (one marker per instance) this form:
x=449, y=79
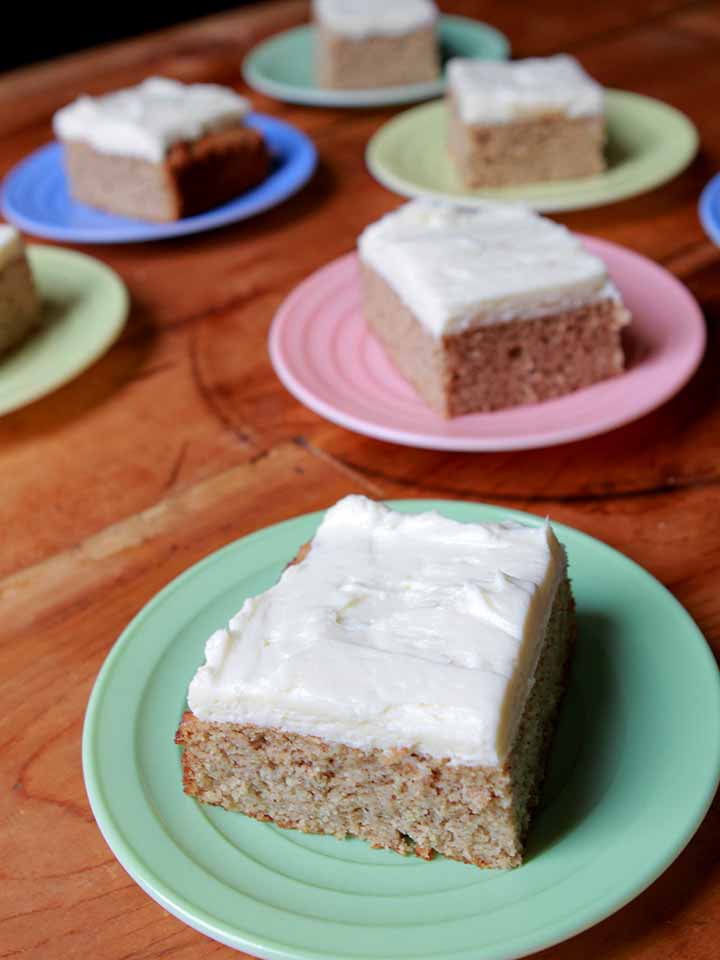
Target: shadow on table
x=125, y=361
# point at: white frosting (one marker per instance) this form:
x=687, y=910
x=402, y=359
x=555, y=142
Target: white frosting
x=496, y=91
x=395, y=631
x=364, y=18
x=460, y=267
x=11, y=244
x=146, y=120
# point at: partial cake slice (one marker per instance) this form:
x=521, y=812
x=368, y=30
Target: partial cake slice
x=19, y=302
x=488, y=307
x=162, y=150
x=400, y=683
x=525, y=120
x=373, y=43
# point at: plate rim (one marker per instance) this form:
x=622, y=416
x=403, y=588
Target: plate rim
x=38, y=253
x=357, y=424
x=397, y=184
x=361, y=98
x=276, y=950
x=304, y=154
x=709, y=218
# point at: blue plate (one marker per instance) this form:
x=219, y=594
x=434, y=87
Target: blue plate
x=35, y=195
x=709, y=208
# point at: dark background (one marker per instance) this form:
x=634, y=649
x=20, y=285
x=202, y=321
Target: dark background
x=39, y=32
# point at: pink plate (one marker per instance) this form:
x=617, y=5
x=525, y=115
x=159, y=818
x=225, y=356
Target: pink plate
x=324, y=354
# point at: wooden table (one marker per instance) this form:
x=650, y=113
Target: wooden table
x=181, y=439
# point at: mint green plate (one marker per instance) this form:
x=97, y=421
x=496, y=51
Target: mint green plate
x=649, y=142
x=85, y=306
x=283, y=66
x=634, y=768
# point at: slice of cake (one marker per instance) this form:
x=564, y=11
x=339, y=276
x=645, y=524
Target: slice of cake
x=524, y=121
x=19, y=302
x=373, y=43
x=488, y=307
x=400, y=683
x=162, y=150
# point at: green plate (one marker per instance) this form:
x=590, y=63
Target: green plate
x=648, y=143
x=634, y=768
x=85, y=306
x=282, y=66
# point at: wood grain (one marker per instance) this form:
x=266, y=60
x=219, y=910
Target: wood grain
x=181, y=439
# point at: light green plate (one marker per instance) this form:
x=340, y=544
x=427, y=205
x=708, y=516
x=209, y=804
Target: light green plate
x=633, y=771
x=283, y=66
x=85, y=305
x=648, y=143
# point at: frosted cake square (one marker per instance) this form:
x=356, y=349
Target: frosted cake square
x=162, y=150
x=19, y=302
x=488, y=307
x=524, y=121
x=373, y=43
x=400, y=683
